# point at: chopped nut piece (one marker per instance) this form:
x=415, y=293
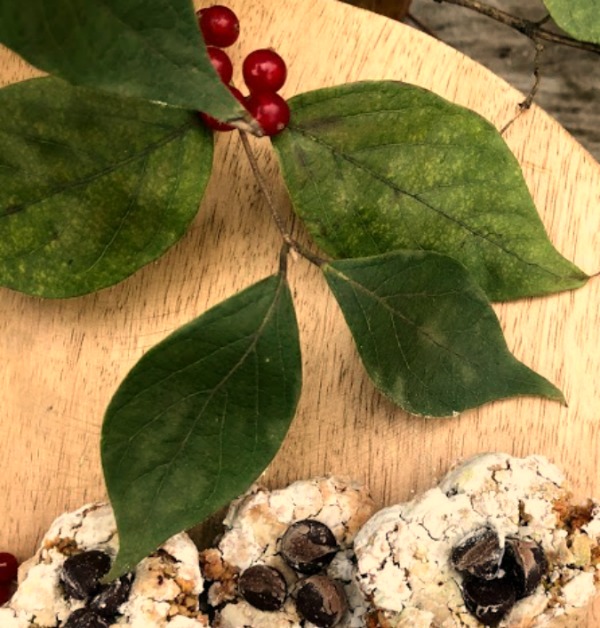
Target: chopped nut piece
x=574, y=516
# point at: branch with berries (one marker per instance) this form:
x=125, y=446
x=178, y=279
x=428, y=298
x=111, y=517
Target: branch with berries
x=264, y=72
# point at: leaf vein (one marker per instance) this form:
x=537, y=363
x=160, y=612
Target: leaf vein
x=416, y=197
x=256, y=336
x=175, y=133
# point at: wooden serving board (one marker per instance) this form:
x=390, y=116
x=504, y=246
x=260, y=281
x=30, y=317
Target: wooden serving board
x=63, y=359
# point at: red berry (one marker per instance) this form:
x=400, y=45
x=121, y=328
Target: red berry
x=8, y=567
x=270, y=110
x=217, y=125
x=219, y=25
x=6, y=591
x=264, y=71
x=221, y=63
x=238, y=95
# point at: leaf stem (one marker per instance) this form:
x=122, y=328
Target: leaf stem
x=530, y=28
x=289, y=242
x=283, y=255
x=250, y=126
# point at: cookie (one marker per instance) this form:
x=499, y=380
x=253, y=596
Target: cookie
x=301, y=532
x=60, y=585
x=498, y=542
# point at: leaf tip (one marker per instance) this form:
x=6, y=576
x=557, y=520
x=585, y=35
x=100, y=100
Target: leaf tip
x=120, y=567
x=555, y=394
x=583, y=277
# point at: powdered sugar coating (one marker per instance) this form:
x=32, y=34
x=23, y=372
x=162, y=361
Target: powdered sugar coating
x=403, y=551
x=10, y=619
x=166, y=588
x=162, y=592
x=257, y=520
x=243, y=614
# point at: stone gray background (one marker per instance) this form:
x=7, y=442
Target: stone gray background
x=570, y=83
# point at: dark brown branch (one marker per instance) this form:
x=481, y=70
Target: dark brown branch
x=531, y=29
x=278, y=219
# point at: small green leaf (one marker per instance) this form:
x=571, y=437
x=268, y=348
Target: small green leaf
x=579, y=18
x=150, y=49
x=92, y=186
x=380, y=166
x=427, y=335
x=200, y=416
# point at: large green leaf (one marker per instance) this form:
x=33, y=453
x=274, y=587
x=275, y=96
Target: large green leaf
x=579, y=18
x=379, y=166
x=92, y=186
x=150, y=49
x=200, y=417
x=427, y=335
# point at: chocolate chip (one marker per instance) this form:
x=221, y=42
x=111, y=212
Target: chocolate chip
x=110, y=596
x=81, y=573
x=85, y=618
x=308, y=546
x=525, y=563
x=478, y=554
x=321, y=601
x=489, y=600
x=264, y=587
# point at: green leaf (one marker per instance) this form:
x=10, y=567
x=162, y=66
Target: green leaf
x=150, y=49
x=92, y=186
x=380, y=166
x=200, y=416
x=427, y=335
x=579, y=18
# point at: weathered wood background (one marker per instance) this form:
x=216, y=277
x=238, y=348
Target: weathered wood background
x=62, y=360
x=570, y=79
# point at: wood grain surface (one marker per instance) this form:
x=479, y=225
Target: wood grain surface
x=63, y=359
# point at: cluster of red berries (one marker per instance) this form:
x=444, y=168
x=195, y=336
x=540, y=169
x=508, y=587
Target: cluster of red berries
x=264, y=72
x=8, y=576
